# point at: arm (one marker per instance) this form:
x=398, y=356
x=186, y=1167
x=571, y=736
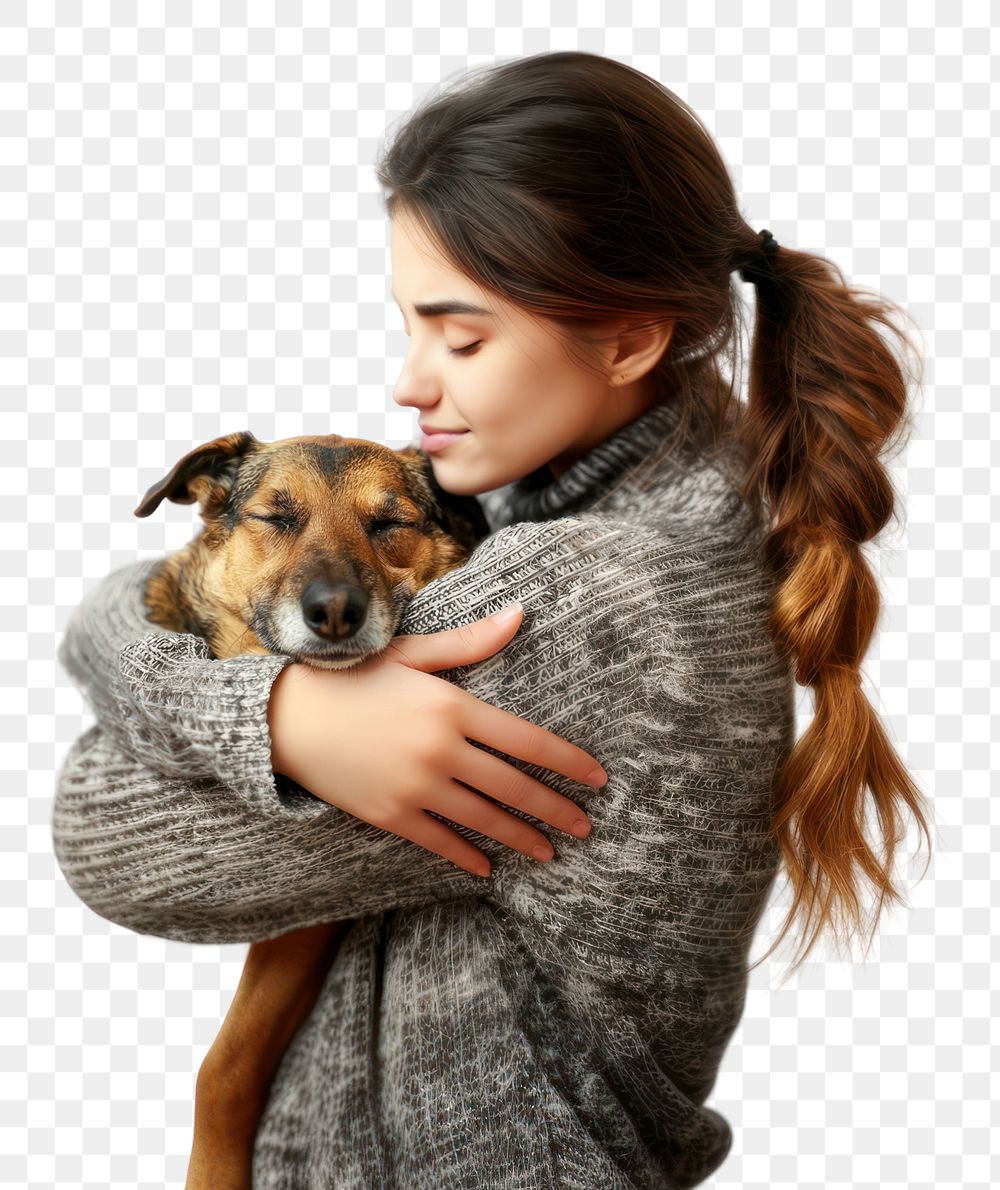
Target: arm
x=171, y=857
x=164, y=700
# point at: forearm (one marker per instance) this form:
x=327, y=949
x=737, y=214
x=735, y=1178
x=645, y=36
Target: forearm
x=196, y=862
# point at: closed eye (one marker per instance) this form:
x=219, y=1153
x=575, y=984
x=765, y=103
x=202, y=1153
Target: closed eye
x=468, y=349
x=379, y=527
x=279, y=522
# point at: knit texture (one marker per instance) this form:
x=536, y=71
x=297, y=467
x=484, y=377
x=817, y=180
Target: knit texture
x=555, y=1024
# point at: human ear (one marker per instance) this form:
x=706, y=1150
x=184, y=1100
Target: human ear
x=636, y=350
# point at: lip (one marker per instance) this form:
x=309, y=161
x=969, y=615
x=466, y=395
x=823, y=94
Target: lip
x=438, y=441
x=424, y=429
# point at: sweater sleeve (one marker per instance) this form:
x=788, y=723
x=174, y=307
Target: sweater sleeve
x=172, y=856
x=161, y=697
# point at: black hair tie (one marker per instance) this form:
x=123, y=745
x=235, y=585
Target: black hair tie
x=755, y=271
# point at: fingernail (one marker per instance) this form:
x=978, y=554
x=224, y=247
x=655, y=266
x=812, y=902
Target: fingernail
x=506, y=613
x=580, y=828
x=541, y=852
x=597, y=777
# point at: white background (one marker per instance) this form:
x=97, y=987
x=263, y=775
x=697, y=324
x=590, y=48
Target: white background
x=192, y=242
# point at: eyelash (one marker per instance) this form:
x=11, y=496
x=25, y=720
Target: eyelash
x=390, y=526
x=467, y=350
x=277, y=522
x=283, y=524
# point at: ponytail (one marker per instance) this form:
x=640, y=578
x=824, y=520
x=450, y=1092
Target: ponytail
x=826, y=398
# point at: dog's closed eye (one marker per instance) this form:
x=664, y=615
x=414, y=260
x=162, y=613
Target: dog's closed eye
x=285, y=524
x=385, y=526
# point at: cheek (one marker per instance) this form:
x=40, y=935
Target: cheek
x=236, y=573
x=252, y=554
x=251, y=544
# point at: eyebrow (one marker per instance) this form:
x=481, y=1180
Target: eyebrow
x=448, y=306
x=282, y=501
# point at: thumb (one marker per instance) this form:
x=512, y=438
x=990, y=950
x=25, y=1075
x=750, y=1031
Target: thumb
x=458, y=646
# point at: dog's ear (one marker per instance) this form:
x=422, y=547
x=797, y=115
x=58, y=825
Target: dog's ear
x=460, y=517
x=204, y=474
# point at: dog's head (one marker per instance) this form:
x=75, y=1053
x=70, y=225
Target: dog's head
x=312, y=546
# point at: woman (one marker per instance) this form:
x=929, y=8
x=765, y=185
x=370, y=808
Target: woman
x=561, y=1022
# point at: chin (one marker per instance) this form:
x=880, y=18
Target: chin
x=457, y=482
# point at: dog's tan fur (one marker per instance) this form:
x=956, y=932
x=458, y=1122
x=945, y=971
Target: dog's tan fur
x=237, y=584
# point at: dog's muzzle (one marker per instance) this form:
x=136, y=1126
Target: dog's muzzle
x=333, y=624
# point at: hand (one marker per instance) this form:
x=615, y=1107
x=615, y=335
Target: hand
x=386, y=741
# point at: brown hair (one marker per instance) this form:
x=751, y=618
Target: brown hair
x=584, y=191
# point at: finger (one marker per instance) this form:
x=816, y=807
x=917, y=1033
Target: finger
x=509, y=733
x=469, y=808
x=507, y=784
x=443, y=841
x=473, y=642
x=463, y=645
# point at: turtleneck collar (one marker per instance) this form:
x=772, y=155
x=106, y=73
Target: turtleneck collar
x=622, y=457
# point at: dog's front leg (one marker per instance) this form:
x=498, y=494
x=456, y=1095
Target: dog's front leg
x=281, y=979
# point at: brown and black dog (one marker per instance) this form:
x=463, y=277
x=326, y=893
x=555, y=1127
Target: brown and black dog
x=312, y=547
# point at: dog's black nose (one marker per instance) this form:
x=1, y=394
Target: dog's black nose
x=334, y=610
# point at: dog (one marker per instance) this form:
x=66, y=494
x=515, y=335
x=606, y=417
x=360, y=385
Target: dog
x=311, y=547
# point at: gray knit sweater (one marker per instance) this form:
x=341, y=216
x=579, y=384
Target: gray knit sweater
x=553, y=1025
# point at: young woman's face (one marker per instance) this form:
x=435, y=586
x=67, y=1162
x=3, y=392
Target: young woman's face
x=503, y=377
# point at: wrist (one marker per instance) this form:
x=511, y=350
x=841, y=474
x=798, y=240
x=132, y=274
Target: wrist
x=281, y=717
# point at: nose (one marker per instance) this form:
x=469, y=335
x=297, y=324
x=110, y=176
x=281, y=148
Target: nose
x=409, y=393
x=333, y=610
x=407, y=399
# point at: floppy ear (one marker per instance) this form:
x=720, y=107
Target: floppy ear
x=460, y=517
x=204, y=474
